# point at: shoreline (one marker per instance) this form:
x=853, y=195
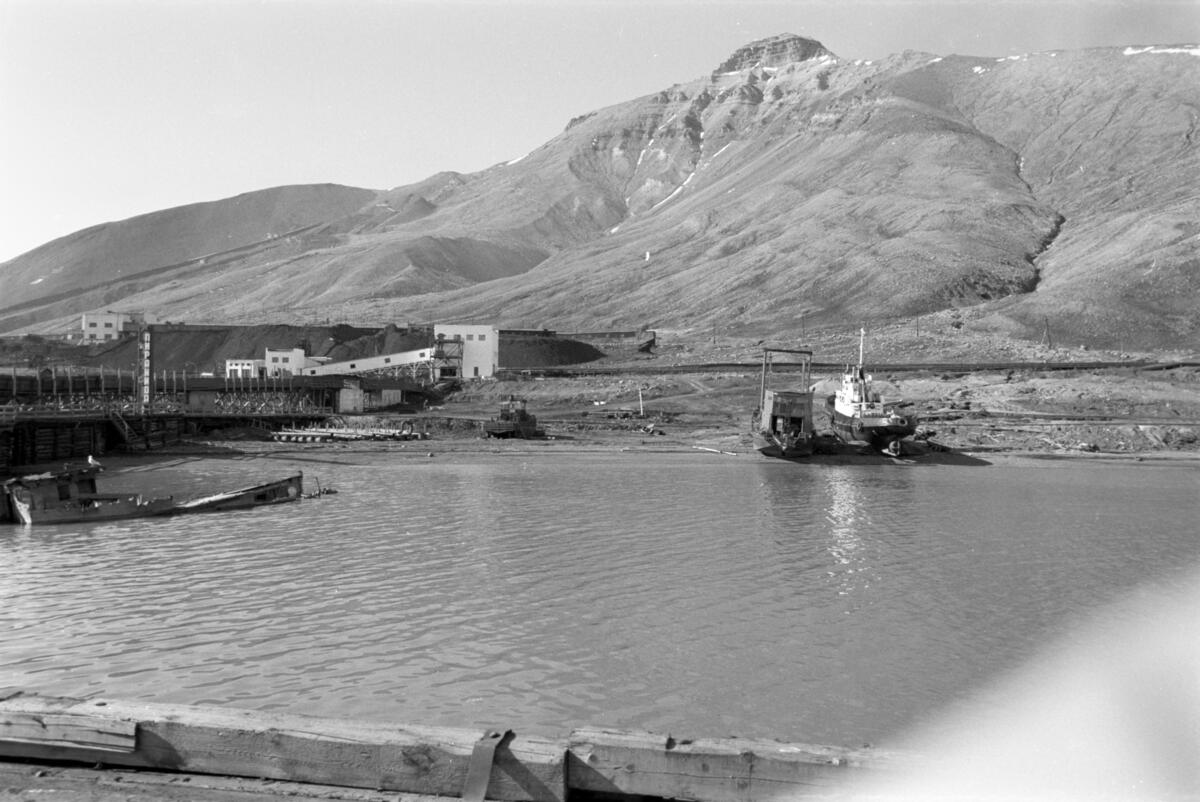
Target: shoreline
x=466, y=447
x=1118, y=415
x=622, y=443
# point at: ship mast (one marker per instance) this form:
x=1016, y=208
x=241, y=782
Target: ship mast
x=862, y=336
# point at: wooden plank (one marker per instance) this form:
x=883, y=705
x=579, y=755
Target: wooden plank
x=68, y=730
x=709, y=770
x=245, y=743
x=42, y=782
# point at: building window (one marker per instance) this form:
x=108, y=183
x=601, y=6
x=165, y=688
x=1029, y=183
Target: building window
x=470, y=337
x=91, y=325
x=108, y=325
x=482, y=337
x=285, y=359
x=387, y=360
x=274, y=359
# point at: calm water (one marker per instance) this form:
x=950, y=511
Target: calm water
x=705, y=595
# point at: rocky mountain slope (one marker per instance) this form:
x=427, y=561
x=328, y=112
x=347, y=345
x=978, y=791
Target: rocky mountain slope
x=788, y=187
x=171, y=252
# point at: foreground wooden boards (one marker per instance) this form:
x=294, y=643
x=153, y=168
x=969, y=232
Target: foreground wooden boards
x=708, y=770
x=38, y=782
x=425, y=761
x=241, y=743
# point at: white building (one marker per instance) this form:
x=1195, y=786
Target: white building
x=480, y=347
x=276, y=363
x=286, y=361
x=244, y=368
x=102, y=326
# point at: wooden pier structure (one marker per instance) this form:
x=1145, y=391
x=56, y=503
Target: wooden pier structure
x=138, y=751
x=52, y=416
x=36, y=435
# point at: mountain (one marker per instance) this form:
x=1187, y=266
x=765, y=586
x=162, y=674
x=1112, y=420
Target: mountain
x=786, y=185
x=102, y=266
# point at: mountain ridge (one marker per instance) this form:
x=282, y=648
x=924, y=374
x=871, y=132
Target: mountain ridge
x=787, y=184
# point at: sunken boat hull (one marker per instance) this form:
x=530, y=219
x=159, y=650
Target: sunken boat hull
x=280, y=491
x=71, y=496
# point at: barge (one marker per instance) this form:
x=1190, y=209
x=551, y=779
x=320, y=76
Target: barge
x=782, y=425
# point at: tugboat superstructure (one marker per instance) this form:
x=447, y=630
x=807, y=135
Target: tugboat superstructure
x=859, y=415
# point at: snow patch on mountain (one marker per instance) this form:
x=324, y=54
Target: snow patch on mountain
x=1188, y=50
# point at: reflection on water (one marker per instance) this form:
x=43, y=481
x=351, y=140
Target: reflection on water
x=712, y=596
x=848, y=513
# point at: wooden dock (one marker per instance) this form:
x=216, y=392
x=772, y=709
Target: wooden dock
x=96, y=749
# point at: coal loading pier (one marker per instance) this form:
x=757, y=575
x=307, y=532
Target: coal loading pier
x=47, y=418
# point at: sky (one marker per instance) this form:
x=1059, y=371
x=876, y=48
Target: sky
x=115, y=108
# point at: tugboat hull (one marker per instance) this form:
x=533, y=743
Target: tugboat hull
x=859, y=415
x=881, y=432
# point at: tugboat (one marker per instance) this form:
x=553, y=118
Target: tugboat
x=782, y=426
x=513, y=421
x=860, y=416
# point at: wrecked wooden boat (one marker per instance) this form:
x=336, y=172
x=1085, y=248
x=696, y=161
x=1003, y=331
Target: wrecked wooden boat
x=71, y=496
x=290, y=488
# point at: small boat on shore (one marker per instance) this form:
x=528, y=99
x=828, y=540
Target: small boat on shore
x=513, y=421
x=782, y=426
x=860, y=416
x=71, y=496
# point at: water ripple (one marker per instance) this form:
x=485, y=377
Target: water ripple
x=828, y=603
